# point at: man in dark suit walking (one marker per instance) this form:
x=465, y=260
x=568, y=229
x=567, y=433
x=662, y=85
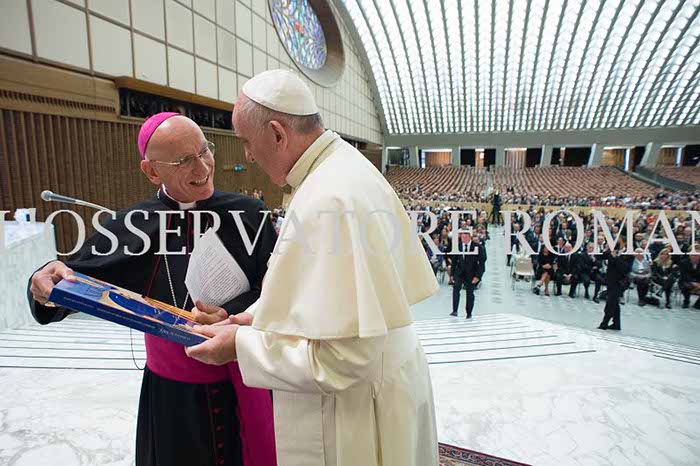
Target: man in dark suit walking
x=467, y=269
x=619, y=266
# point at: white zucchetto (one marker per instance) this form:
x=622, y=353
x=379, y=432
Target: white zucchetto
x=282, y=91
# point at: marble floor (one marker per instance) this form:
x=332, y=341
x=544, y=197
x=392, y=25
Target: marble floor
x=528, y=378
x=498, y=295
x=70, y=394
x=548, y=394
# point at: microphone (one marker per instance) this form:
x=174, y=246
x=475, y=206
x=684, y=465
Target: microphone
x=50, y=196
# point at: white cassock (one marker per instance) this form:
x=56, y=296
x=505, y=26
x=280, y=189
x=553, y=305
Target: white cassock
x=332, y=334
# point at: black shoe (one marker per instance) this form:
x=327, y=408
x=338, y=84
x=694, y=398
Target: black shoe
x=686, y=304
x=668, y=305
x=697, y=304
x=469, y=316
x=587, y=296
x=558, y=293
x=572, y=296
x=596, y=300
x=454, y=313
x=642, y=303
x=603, y=327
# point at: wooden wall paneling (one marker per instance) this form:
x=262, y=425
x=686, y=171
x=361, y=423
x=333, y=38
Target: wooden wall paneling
x=47, y=159
x=9, y=161
x=375, y=156
x=41, y=166
x=7, y=192
x=64, y=183
x=95, y=175
x=613, y=158
x=667, y=157
x=72, y=153
x=82, y=127
x=37, y=165
x=438, y=159
x=47, y=149
x=118, y=134
x=119, y=195
x=28, y=176
x=113, y=146
x=95, y=160
x=54, y=183
x=77, y=153
x=131, y=174
x=48, y=89
x=104, y=150
x=66, y=157
x=16, y=165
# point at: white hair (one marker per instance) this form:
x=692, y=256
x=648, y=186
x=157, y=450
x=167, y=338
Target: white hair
x=259, y=115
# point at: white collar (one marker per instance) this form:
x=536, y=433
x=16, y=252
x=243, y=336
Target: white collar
x=182, y=205
x=310, y=158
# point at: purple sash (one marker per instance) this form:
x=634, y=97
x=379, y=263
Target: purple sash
x=168, y=360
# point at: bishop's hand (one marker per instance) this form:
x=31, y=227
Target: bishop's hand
x=44, y=280
x=208, y=315
x=220, y=349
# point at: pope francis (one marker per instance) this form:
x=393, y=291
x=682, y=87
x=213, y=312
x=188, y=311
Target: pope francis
x=331, y=333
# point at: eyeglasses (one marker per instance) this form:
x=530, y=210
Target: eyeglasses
x=188, y=160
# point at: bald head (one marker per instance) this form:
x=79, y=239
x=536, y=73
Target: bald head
x=174, y=135
x=179, y=158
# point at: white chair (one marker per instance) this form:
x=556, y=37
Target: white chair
x=441, y=272
x=522, y=269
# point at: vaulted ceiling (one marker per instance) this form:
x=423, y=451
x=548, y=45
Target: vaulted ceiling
x=455, y=66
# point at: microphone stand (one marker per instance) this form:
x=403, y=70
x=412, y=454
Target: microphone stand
x=51, y=197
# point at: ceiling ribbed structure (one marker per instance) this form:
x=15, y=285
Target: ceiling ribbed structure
x=455, y=66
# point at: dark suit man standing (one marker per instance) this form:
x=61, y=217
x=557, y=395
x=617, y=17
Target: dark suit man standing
x=619, y=266
x=467, y=269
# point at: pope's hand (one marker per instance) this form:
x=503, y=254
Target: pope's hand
x=207, y=315
x=44, y=280
x=244, y=318
x=220, y=349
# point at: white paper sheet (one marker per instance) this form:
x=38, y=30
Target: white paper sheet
x=213, y=275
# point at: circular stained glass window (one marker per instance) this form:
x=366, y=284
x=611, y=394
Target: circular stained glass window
x=301, y=32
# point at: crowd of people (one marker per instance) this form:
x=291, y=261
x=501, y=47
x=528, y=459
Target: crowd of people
x=662, y=200
x=417, y=193
x=654, y=271
x=549, y=186
x=665, y=200
x=256, y=194
x=593, y=272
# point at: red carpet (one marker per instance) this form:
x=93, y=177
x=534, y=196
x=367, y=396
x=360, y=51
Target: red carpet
x=455, y=456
